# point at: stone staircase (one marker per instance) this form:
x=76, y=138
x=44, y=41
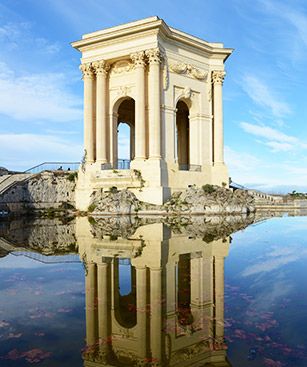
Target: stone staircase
x=8, y=181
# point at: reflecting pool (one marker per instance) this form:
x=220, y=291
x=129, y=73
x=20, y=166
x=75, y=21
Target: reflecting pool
x=154, y=292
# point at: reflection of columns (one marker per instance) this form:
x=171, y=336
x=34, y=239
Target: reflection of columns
x=101, y=69
x=141, y=309
x=154, y=91
x=156, y=316
x=91, y=309
x=89, y=123
x=103, y=303
x=218, y=149
x=219, y=296
x=140, y=138
x=207, y=294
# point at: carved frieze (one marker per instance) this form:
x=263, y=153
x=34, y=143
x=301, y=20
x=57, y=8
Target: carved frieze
x=188, y=70
x=122, y=67
x=123, y=91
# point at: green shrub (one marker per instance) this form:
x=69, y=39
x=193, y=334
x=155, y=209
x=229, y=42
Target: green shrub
x=72, y=177
x=208, y=189
x=91, y=207
x=91, y=220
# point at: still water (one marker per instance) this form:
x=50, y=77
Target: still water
x=201, y=292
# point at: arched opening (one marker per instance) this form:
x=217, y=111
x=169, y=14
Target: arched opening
x=184, y=313
x=125, y=133
x=183, y=140
x=125, y=293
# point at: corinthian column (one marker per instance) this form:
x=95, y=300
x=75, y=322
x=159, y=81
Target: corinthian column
x=139, y=62
x=101, y=69
x=89, y=123
x=218, y=149
x=154, y=91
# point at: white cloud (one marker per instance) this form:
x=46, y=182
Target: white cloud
x=279, y=147
x=276, y=140
x=275, y=261
x=18, y=36
x=265, y=175
x=21, y=151
x=296, y=18
x=36, y=97
x=263, y=96
x=267, y=133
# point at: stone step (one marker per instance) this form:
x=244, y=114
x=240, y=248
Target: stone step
x=11, y=180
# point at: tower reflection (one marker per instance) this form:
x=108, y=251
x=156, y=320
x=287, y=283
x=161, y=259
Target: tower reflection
x=155, y=298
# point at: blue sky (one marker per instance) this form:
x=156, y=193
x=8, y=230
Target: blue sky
x=264, y=91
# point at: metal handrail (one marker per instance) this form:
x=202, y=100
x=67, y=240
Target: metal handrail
x=54, y=166
x=123, y=163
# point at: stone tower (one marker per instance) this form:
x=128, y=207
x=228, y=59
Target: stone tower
x=166, y=85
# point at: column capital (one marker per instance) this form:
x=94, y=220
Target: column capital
x=87, y=70
x=218, y=76
x=138, y=58
x=154, y=55
x=100, y=67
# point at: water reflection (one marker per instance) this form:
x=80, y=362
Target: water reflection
x=154, y=297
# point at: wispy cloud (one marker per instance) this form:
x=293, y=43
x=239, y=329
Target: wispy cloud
x=275, y=261
x=36, y=97
x=276, y=140
x=21, y=151
x=294, y=16
x=263, y=96
x=19, y=35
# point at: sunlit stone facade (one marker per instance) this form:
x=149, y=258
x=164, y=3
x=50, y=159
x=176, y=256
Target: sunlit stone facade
x=167, y=86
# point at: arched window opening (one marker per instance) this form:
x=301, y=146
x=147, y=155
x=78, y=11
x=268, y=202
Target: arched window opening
x=125, y=133
x=125, y=293
x=184, y=313
x=183, y=140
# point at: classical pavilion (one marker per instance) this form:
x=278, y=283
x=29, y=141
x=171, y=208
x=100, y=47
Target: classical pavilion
x=166, y=85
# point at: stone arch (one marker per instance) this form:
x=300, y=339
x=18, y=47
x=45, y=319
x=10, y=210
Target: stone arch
x=124, y=110
x=183, y=133
x=184, y=312
x=124, y=303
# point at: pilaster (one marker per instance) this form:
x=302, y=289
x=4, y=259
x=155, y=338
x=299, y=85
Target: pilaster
x=89, y=113
x=218, y=148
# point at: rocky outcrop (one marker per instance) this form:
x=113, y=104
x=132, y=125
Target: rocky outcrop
x=41, y=191
x=205, y=200
x=115, y=202
x=210, y=200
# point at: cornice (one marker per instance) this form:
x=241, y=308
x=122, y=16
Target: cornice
x=137, y=28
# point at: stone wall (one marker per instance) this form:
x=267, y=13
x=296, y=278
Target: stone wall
x=41, y=191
